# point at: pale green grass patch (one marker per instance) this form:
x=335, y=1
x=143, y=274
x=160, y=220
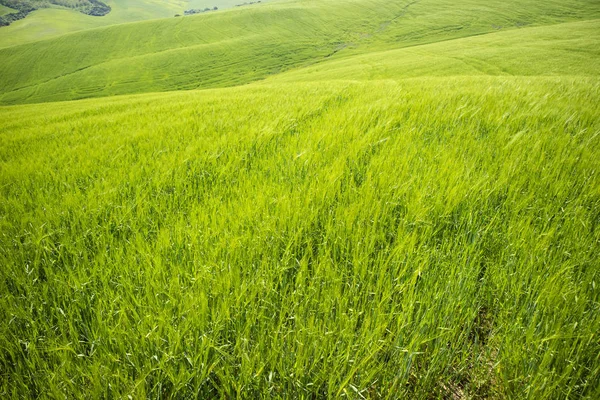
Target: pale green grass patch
x=6, y=10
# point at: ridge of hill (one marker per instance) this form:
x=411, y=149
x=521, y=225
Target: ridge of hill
x=47, y=23
x=241, y=46
x=568, y=49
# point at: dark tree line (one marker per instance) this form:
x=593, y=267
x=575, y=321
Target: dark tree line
x=199, y=10
x=23, y=9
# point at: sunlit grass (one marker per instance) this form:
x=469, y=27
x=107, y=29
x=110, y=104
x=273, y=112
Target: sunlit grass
x=418, y=239
x=240, y=46
x=402, y=207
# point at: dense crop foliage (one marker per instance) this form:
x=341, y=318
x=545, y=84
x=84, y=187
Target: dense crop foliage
x=388, y=221
x=380, y=239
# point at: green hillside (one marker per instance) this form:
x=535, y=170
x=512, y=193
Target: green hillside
x=6, y=10
x=355, y=199
x=558, y=50
x=240, y=46
x=51, y=22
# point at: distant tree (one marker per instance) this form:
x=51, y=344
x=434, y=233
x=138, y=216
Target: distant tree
x=215, y=8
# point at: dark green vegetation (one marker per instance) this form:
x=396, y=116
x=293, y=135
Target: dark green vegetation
x=14, y=10
x=412, y=210
x=6, y=10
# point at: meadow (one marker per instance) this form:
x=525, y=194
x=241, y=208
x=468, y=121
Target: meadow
x=48, y=23
x=412, y=212
x=241, y=46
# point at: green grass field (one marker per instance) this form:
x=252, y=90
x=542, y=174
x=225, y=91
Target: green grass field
x=244, y=45
x=358, y=199
x=569, y=49
x=52, y=22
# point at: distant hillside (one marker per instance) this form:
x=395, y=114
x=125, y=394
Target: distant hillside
x=54, y=21
x=240, y=46
x=24, y=7
x=6, y=10
x=556, y=50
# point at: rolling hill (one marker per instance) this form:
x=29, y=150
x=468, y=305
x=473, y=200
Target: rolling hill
x=353, y=198
x=47, y=23
x=240, y=46
x=568, y=49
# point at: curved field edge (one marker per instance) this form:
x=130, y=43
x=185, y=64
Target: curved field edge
x=48, y=23
x=241, y=46
x=569, y=49
x=427, y=238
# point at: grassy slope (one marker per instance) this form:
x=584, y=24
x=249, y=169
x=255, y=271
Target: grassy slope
x=423, y=237
x=52, y=22
x=557, y=50
x=240, y=46
x=221, y=4
x=6, y=10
